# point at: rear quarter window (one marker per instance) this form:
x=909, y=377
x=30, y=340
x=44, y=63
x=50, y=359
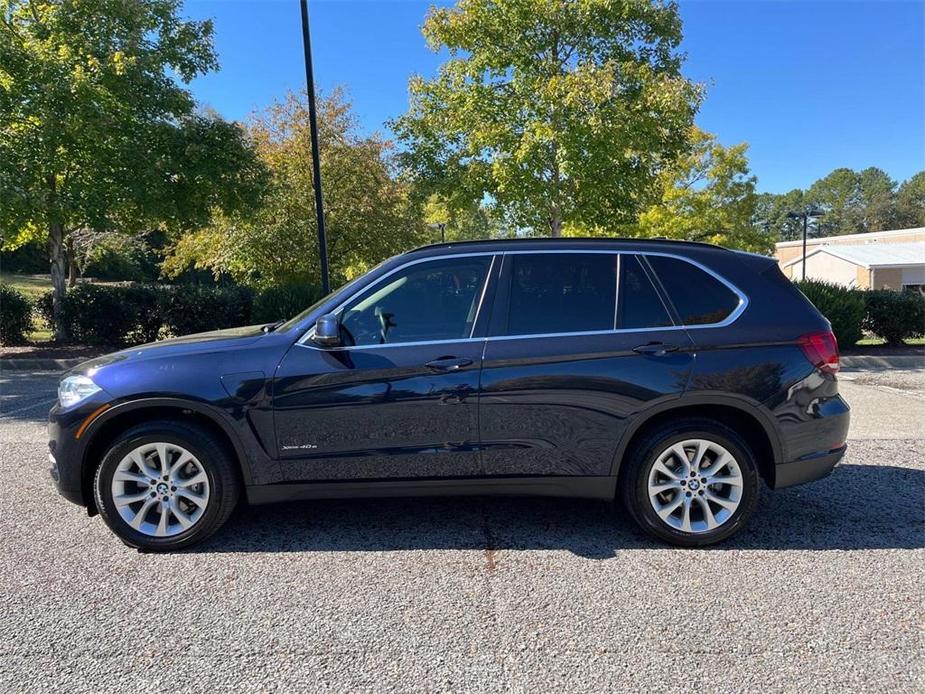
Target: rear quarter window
x=698, y=297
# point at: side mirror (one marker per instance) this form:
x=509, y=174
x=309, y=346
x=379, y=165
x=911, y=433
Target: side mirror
x=327, y=331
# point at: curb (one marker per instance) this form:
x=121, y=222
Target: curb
x=40, y=364
x=884, y=363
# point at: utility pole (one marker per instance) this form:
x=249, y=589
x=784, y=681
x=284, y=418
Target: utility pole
x=805, y=215
x=316, y=156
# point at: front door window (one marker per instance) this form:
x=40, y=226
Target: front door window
x=429, y=301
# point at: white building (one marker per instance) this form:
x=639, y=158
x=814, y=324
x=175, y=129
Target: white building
x=878, y=260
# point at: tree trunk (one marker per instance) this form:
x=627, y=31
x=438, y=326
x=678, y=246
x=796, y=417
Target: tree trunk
x=72, y=270
x=555, y=224
x=58, y=259
x=555, y=209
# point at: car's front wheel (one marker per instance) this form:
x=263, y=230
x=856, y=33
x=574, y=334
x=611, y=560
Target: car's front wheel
x=165, y=485
x=691, y=483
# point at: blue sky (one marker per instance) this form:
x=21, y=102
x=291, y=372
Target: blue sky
x=811, y=86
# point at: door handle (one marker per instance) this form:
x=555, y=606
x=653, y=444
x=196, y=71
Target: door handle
x=655, y=349
x=448, y=363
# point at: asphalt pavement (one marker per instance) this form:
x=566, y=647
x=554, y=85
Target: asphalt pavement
x=825, y=590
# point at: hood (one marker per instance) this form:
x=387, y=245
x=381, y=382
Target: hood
x=214, y=341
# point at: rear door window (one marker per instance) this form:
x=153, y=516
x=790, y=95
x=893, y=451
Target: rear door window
x=562, y=293
x=698, y=297
x=640, y=304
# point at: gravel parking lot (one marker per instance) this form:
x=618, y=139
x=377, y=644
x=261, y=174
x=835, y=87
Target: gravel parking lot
x=826, y=590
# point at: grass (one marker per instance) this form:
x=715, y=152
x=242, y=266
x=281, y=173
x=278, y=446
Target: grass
x=876, y=341
x=33, y=286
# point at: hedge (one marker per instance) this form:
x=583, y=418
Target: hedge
x=107, y=315
x=193, y=309
x=15, y=316
x=842, y=306
x=895, y=316
x=132, y=314
x=284, y=301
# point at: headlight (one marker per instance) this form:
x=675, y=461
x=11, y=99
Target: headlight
x=75, y=389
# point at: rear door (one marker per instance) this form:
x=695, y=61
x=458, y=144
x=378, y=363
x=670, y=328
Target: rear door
x=579, y=342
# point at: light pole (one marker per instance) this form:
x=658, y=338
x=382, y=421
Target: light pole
x=316, y=157
x=442, y=227
x=805, y=216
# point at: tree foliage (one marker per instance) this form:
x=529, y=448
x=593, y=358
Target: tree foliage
x=557, y=112
x=708, y=195
x=368, y=216
x=462, y=222
x=910, y=202
x=853, y=202
x=95, y=131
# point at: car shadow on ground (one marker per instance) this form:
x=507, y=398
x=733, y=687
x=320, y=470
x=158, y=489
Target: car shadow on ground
x=857, y=507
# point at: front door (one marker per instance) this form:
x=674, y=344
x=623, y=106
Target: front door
x=399, y=399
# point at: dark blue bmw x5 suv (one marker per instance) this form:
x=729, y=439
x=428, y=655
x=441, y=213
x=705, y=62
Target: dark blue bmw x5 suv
x=675, y=377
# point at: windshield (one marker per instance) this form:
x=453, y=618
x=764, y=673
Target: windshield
x=295, y=320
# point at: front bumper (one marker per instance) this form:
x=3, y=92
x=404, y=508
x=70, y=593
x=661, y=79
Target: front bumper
x=66, y=448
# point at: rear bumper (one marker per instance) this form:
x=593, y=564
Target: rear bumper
x=807, y=469
x=815, y=445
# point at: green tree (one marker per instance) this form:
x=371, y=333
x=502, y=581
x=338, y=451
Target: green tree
x=462, y=222
x=854, y=201
x=771, y=214
x=708, y=195
x=910, y=202
x=368, y=216
x=559, y=113
x=878, y=199
x=95, y=131
x=838, y=195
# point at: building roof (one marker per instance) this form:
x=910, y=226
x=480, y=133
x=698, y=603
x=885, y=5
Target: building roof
x=860, y=237
x=874, y=254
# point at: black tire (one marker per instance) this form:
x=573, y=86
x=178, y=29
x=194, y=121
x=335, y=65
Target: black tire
x=634, y=479
x=215, y=460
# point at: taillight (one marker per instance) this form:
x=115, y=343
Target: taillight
x=821, y=349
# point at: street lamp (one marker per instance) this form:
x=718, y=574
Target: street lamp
x=316, y=157
x=805, y=216
x=442, y=227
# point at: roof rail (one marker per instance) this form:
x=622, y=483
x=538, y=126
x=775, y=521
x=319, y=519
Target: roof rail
x=590, y=240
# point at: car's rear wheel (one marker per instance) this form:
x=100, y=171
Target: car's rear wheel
x=691, y=483
x=165, y=485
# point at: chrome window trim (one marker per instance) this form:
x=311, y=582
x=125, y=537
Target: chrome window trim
x=305, y=340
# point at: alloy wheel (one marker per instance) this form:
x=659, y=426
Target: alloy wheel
x=160, y=489
x=695, y=486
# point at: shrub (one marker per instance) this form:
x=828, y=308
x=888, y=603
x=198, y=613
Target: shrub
x=284, y=301
x=108, y=315
x=895, y=316
x=193, y=309
x=15, y=316
x=842, y=306
x=131, y=314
